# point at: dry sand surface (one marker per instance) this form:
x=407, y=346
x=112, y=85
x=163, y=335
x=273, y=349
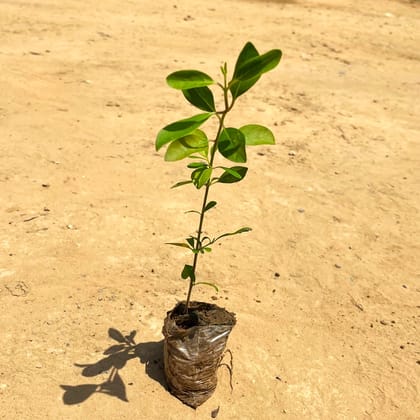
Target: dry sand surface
x=326, y=287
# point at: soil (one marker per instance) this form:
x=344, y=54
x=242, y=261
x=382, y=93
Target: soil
x=201, y=314
x=325, y=287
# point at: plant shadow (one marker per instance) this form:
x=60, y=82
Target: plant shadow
x=116, y=357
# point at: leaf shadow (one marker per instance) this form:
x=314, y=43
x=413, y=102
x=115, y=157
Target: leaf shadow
x=117, y=355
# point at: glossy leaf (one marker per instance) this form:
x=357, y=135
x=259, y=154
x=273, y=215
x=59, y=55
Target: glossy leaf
x=234, y=174
x=196, y=142
x=194, y=165
x=258, y=65
x=248, y=52
x=238, y=87
x=201, y=97
x=198, y=157
x=210, y=205
x=181, y=128
x=231, y=145
x=188, y=79
x=201, y=176
x=257, y=134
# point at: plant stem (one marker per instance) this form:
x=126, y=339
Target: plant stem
x=221, y=118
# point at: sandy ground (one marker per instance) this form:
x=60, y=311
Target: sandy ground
x=325, y=288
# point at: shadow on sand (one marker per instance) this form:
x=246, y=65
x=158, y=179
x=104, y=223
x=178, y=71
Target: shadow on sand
x=117, y=356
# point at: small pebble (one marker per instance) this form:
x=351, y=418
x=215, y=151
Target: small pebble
x=301, y=210
x=276, y=274
x=292, y=153
x=337, y=265
x=383, y=322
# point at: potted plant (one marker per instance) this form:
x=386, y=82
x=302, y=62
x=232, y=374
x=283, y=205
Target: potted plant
x=196, y=332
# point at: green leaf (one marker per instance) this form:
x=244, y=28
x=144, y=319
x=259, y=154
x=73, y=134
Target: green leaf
x=223, y=69
x=191, y=241
x=210, y=205
x=181, y=128
x=188, y=272
x=193, y=165
x=188, y=79
x=207, y=249
x=237, y=232
x=256, y=66
x=180, y=244
x=257, y=134
x=231, y=145
x=185, y=146
x=208, y=284
x=201, y=97
x=179, y=184
x=234, y=174
x=198, y=157
x=201, y=176
x=236, y=86
x=248, y=52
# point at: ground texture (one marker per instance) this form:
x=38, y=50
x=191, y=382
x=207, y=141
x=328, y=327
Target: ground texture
x=326, y=287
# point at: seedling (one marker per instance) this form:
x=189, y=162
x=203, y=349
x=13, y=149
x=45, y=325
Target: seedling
x=185, y=139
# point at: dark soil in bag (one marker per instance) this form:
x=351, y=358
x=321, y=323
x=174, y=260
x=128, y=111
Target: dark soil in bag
x=193, y=348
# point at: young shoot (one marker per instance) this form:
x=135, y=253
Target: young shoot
x=185, y=139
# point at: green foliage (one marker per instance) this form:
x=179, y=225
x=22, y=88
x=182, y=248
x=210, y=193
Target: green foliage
x=256, y=135
x=201, y=97
x=234, y=174
x=184, y=139
x=195, y=142
x=188, y=79
x=231, y=145
x=180, y=129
